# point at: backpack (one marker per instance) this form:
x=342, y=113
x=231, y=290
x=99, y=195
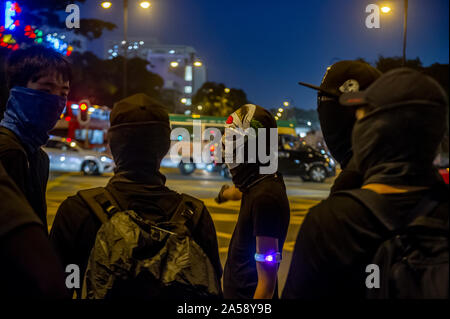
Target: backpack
x=413, y=260
x=136, y=258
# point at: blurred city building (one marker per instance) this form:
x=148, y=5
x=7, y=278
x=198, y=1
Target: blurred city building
x=183, y=71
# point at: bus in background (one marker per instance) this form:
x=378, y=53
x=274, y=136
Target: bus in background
x=92, y=133
x=185, y=163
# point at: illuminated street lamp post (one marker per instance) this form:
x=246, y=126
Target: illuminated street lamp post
x=405, y=20
x=107, y=5
x=387, y=9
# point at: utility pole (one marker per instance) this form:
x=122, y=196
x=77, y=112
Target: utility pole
x=405, y=21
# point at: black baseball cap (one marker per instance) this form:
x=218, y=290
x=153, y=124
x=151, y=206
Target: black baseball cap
x=346, y=76
x=398, y=86
x=138, y=108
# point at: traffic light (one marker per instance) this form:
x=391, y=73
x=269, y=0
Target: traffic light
x=83, y=112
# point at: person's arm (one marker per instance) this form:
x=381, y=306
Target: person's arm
x=267, y=270
x=228, y=193
x=73, y=234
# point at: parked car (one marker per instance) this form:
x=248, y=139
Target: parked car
x=296, y=158
x=67, y=156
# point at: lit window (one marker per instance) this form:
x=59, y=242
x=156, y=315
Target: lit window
x=188, y=73
x=188, y=89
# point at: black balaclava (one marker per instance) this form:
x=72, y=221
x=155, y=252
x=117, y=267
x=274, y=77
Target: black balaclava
x=337, y=121
x=246, y=174
x=139, y=138
x=397, y=140
x=397, y=145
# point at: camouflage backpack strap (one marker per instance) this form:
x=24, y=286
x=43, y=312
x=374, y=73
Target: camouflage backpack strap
x=101, y=202
x=188, y=212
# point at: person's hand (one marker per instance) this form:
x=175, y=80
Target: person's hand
x=220, y=197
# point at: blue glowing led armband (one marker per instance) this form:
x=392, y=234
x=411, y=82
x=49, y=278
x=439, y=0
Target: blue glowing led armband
x=270, y=258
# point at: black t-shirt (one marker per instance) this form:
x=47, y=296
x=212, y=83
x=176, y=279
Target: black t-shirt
x=75, y=227
x=338, y=239
x=264, y=212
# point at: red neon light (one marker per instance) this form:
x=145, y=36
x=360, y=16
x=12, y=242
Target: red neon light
x=68, y=118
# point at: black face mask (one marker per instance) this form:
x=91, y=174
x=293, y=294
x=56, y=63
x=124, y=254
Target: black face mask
x=397, y=145
x=337, y=124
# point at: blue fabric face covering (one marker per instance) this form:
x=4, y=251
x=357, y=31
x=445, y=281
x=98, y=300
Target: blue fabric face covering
x=31, y=114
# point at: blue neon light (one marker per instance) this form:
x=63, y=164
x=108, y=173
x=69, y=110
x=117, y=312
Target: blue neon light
x=9, y=14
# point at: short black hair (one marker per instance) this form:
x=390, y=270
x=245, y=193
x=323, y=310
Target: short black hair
x=32, y=63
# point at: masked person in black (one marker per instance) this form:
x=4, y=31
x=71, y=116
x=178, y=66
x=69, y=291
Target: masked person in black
x=29, y=267
x=401, y=122
x=336, y=120
x=38, y=79
x=139, y=138
x=257, y=241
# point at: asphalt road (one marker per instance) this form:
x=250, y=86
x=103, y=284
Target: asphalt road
x=204, y=186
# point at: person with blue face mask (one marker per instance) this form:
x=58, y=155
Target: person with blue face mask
x=38, y=79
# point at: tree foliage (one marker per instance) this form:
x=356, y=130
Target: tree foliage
x=216, y=100
x=101, y=81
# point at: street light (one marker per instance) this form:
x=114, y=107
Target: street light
x=199, y=107
x=227, y=90
x=145, y=4
x=183, y=100
x=174, y=64
x=198, y=64
x=107, y=5
x=387, y=9
x=280, y=110
x=286, y=103
x=279, y=114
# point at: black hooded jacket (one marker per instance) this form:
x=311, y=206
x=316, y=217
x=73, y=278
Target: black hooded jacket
x=138, y=145
x=340, y=236
x=75, y=227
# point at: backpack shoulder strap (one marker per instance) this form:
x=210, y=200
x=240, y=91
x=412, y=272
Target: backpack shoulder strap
x=188, y=212
x=100, y=201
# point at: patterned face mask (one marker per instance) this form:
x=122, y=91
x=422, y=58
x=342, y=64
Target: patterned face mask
x=243, y=126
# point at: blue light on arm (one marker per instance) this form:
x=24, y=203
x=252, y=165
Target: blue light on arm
x=268, y=258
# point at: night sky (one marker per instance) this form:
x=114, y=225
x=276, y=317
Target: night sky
x=266, y=47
